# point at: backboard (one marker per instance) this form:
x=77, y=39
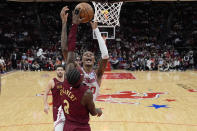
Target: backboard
x=107, y=31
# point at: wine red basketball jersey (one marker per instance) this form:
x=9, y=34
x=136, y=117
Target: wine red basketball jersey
x=74, y=111
x=56, y=93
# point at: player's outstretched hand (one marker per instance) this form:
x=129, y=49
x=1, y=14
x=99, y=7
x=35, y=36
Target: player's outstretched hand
x=94, y=25
x=99, y=112
x=76, y=17
x=46, y=108
x=64, y=14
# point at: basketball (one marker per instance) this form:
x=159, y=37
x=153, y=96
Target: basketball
x=87, y=12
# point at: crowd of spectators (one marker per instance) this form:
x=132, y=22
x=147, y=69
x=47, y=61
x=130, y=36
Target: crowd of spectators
x=34, y=59
x=152, y=36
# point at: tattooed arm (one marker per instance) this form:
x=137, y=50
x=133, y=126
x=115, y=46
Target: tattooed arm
x=64, y=44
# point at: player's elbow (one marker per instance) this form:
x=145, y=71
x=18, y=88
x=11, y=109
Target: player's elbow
x=93, y=114
x=105, y=56
x=104, y=53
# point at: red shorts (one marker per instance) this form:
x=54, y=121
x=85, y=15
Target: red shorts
x=55, y=113
x=70, y=126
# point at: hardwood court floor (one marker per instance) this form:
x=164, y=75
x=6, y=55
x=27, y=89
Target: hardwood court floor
x=154, y=101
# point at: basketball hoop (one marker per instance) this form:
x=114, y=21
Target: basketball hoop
x=107, y=13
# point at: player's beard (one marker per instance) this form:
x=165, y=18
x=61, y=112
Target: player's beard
x=59, y=75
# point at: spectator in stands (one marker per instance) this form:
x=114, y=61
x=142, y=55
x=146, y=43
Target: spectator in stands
x=25, y=65
x=14, y=60
x=35, y=66
x=114, y=62
x=2, y=65
x=24, y=56
x=50, y=66
x=8, y=65
x=149, y=62
x=176, y=64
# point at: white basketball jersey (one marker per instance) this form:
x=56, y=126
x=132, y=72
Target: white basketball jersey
x=90, y=79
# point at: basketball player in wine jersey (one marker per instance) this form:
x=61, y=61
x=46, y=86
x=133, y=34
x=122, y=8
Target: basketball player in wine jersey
x=55, y=86
x=77, y=98
x=91, y=77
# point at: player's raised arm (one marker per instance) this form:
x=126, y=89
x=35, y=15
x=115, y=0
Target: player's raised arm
x=48, y=88
x=64, y=45
x=87, y=101
x=72, y=39
x=104, y=52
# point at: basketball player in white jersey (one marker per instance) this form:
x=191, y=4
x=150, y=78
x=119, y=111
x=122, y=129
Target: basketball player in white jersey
x=92, y=77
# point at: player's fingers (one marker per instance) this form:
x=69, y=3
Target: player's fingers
x=77, y=12
x=81, y=19
x=61, y=13
x=65, y=8
x=66, y=15
x=65, y=11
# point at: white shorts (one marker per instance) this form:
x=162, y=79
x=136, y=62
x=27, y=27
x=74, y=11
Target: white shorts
x=59, y=123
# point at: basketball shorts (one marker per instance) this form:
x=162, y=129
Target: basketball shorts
x=59, y=118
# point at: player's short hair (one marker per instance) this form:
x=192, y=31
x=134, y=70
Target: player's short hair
x=74, y=77
x=60, y=66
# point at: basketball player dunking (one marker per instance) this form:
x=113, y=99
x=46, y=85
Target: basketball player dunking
x=55, y=86
x=91, y=77
x=77, y=98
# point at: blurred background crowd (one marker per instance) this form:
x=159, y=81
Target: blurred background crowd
x=152, y=36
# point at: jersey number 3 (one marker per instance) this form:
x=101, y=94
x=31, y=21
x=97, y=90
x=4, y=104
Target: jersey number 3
x=93, y=89
x=66, y=106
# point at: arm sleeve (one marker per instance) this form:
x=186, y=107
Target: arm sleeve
x=102, y=45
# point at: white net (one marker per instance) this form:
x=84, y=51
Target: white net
x=107, y=13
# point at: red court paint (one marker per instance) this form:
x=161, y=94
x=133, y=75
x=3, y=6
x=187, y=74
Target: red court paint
x=170, y=100
x=107, y=89
x=131, y=95
x=124, y=96
x=192, y=90
x=118, y=76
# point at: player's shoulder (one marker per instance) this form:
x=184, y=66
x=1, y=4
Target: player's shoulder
x=86, y=87
x=53, y=81
x=88, y=94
